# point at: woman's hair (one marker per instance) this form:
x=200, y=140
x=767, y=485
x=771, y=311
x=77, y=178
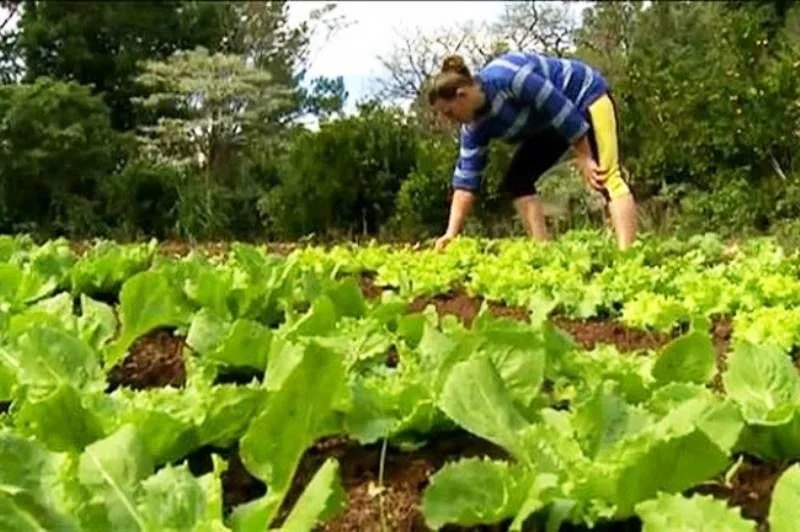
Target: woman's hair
x=453, y=76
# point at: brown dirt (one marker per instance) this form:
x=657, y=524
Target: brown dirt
x=370, y=290
x=587, y=333
x=392, y=357
x=155, y=360
x=172, y=248
x=180, y=249
x=405, y=476
x=590, y=333
x=238, y=485
x=501, y=310
x=750, y=488
x=722, y=328
x=455, y=302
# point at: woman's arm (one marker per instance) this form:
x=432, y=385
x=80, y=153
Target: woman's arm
x=459, y=209
x=467, y=177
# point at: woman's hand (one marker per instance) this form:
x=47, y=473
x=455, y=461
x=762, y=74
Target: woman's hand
x=592, y=173
x=443, y=241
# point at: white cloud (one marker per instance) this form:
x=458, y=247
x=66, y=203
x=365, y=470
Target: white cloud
x=352, y=53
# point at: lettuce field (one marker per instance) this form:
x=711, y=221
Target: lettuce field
x=500, y=385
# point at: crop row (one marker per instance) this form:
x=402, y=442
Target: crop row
x=360, y=387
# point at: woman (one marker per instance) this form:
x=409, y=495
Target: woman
x=546, y=105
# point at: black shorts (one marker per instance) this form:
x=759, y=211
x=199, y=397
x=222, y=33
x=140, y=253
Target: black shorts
x=539, y=152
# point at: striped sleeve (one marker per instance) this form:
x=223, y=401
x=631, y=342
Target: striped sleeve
x=528, y=86
x=472, y=159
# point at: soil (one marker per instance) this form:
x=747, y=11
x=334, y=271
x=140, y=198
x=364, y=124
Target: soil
x=369, y=289
x=722, y=328
x=155, y=360
x=455, y=302
x=405, y=476
x=750, y=488
x=590, y=333
x=238, y=485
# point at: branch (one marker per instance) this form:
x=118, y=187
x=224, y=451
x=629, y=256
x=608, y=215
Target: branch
x=11, y=13
x=777, y=167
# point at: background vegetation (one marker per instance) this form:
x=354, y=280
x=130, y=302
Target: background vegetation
x=180, y=120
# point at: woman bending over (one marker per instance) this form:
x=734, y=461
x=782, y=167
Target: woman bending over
x=545, y=105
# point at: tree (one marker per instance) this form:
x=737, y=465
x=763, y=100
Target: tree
x=324, y=98
x=260, y=32
x=58, y=149
x=545, y=27
x=605, y=39
x=221, y=105
x=101, y=43
x=10, y=67
x=344, y=177
x=220, y=99
x=419, y=55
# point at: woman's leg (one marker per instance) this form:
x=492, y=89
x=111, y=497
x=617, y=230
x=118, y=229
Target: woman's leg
x=534, y=156
x=531, y=212
x=604, y=140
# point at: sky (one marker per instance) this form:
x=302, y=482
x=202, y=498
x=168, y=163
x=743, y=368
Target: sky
x=353, y=51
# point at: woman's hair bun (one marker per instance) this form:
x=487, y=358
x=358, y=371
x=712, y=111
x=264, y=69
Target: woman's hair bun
x=456, y=64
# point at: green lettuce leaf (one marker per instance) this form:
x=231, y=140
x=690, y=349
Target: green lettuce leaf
x=763, y=382
x=669, y=512
x=784, y=510
x=688, y=358
x=474, y=397
x=322, y=499
x=147, y=301
x=107, y=265
x=174, y=422
x=240, y=344
x=475, y=491
x=293, y=418
x=111, y=469
x=27, y=501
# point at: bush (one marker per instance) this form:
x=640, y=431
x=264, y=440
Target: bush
x=423, y=201
x=141, y=201
x=58, y=148
x=343, y=178
x=732, y=207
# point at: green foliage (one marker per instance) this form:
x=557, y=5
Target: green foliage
x=423, y=199
x=219, y=100
x=589, y=435
x=10, y=67
x=324, y=98
x=344, y=177
x=701, y=87
x=707, y=96
x=140, y=200
x=58, y=150
x=101, y=43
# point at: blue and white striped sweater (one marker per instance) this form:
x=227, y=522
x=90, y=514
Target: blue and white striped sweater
x=525, y=93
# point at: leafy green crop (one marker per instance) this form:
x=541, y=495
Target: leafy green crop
x=583, y=435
